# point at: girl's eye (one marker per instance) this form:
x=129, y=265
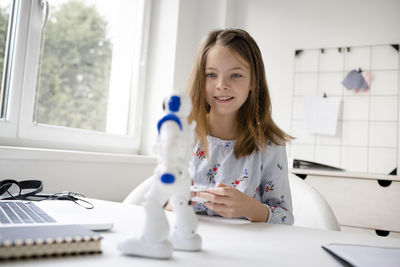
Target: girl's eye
x=211, y=75
x=236, y=75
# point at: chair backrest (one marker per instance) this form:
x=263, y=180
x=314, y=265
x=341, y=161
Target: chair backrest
x=136, y=197
x=310, y=209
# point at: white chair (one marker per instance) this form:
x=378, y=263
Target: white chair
x=136, y=197
x=310, y=209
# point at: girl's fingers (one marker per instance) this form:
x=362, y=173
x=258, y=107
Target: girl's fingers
x=212, y=197
x=218, y=208
x=221, y=189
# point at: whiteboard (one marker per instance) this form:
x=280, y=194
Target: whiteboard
x=367, y=134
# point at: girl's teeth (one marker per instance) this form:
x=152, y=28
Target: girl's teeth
x=224, y=98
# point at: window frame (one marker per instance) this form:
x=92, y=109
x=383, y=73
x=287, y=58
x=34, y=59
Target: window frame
x=8, y=127
x=18, y=128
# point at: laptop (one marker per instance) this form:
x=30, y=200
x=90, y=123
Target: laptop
x=49, y=212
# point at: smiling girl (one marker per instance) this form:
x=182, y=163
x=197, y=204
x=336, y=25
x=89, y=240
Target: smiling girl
x=240, y=154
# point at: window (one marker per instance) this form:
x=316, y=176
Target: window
x=5, y=27
x=76, y=76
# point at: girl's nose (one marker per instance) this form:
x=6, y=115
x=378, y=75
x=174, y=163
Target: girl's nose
x=222, y=83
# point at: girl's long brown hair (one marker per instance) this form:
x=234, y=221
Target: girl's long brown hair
x=255, y=125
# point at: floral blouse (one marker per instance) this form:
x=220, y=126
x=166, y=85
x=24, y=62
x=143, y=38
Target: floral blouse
x=262, y=175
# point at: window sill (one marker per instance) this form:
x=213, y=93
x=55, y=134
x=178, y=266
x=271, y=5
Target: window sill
x=27, y=153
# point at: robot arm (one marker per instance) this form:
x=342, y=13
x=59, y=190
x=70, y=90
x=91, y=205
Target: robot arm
x=169, y=146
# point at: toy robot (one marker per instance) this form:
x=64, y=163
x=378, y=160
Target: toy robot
x=171, y=181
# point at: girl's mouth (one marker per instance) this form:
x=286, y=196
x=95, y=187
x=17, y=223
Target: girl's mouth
x=223, y=99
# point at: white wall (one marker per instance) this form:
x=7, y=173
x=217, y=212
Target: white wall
x=160, y=66
x=96, y=175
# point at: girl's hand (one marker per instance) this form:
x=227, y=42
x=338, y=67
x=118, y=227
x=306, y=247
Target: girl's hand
x=168, y=206
x=229, y=202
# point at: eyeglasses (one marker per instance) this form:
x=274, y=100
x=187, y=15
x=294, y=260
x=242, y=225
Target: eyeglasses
x=29, y=189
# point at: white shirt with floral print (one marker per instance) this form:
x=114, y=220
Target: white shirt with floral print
x=262, y=175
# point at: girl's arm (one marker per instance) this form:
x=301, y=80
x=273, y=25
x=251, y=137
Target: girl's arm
x=229, y=202
x=275, y=185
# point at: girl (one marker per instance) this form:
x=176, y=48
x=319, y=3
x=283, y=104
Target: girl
x=240, y=153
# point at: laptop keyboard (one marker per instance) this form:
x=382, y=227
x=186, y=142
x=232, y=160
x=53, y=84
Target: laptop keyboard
x=19, y=212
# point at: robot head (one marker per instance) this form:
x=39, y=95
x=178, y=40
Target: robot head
x=178, y=103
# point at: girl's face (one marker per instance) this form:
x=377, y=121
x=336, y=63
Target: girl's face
x=227, y=82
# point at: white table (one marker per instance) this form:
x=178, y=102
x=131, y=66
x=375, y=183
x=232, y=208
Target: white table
x=225, y=243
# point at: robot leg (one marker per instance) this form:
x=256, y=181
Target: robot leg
x=184, y=236
x=154, y=242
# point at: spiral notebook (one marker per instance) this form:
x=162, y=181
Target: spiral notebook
x=50, y=240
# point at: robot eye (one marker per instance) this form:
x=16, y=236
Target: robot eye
x=163, y=105
x=174, y=103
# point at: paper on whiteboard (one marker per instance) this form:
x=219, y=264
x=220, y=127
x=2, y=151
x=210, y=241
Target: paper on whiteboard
x=321, y=114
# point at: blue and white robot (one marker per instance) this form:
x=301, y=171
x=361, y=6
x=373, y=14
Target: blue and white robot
x=171, y=181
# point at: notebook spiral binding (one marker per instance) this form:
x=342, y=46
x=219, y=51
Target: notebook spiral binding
x=64, y=243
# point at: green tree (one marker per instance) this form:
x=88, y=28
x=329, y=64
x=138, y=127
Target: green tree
x=74, y=68
x=4, y=14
